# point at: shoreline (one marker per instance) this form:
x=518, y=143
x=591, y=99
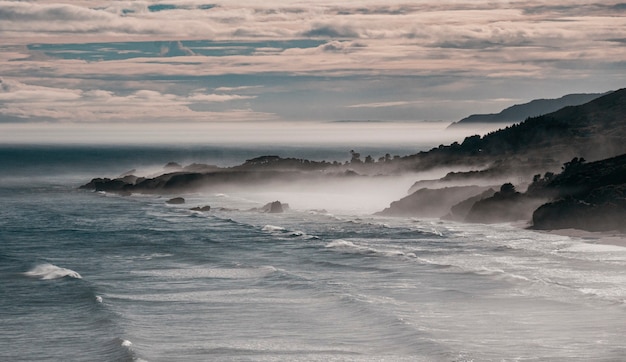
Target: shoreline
x=614, y=238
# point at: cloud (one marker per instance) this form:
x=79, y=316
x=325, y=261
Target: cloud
x=24, y=102
x=337, y=46
x=216, y=97
x=331, y=31
x=175, y=49
x=239, y=88
x=106, y=57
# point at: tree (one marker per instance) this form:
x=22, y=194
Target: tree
x=574, y=163
x=356, y=157
x=507, y=189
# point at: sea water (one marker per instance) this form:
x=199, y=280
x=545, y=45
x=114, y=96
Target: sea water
x=87, y=276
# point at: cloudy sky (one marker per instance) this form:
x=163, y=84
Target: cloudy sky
x=92, y=66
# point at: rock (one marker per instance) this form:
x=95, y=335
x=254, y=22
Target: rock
x=507, y=205
x=201, y=208
x=226, y=209
x=276, y=207
x=107, y=185
x=176, y=201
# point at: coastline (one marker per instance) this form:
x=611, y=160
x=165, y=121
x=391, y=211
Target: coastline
x=614, y=238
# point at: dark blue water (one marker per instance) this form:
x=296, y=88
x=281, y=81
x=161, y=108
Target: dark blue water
x=93, y=277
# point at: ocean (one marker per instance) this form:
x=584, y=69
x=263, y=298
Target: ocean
x=87, y=276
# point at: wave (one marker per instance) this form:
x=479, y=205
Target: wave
x=350, y=247
x=272, y=228
x=49, y=271
x=120, y=349
x=291, y=233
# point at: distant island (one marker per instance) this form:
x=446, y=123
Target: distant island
x=520, y=112
x=565, y=169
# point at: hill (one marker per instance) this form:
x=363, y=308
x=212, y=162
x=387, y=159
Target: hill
x=584, y=195
x=594, y=130
x=520, y=112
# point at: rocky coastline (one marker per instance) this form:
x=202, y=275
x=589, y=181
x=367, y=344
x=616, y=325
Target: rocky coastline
x=564, y=192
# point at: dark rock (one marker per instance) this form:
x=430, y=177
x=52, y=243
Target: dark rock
x=507, y=205
x=226, y=209
x=176, y=201
x=107, y=185
x=275, y=207
x=201, y=208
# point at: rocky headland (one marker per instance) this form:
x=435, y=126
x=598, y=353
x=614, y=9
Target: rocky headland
x=571, y=193
x=583, y=195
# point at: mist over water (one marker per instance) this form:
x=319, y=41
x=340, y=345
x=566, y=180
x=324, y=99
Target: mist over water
x=308, y=134
x=97, y=277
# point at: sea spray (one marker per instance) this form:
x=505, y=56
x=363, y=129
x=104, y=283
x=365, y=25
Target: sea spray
x=48, y=271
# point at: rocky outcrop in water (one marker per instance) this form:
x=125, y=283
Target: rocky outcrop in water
x=201, y=208
x=275, y=207
x=176, y=201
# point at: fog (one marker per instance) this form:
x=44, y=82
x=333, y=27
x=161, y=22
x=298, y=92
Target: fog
x=145, y=149
x=351, y=134
x=358, y=195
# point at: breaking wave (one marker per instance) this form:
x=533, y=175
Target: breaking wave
x=49, y=271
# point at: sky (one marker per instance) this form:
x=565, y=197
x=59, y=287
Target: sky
x=204, y=71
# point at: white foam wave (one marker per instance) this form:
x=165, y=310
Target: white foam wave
x=350, y=247
x=595, y=248
x=48, y=271
x=153, y=256
x=340, y=243
x=294, y=233
x=272, y=228
x=303, y=235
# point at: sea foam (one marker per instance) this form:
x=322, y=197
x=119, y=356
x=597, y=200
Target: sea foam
x=48, y=271
x=272, y=228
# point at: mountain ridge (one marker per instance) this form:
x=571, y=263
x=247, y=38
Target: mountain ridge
x=534, y=108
